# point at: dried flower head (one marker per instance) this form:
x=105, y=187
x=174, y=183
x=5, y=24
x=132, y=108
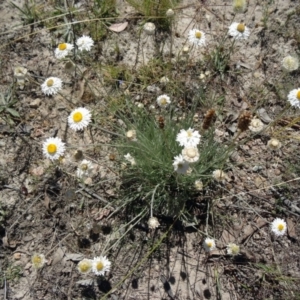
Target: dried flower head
x=149, y=28
x=219, y=175
x=51, y=86
x=209, y=244
x=244, y=121
x=239, y=6
x=256, y=125
x=69, y=67
x=188, y=138
x=294, y=97
x=85, y=43
x=63, y=50
x=79, y=118
x=197, y=37
x=20, y=72
x=233, y=249
x=290, y=63
x=53, y=148
x=84, y=169
x=208, y=118
x=85, y=266
x=190, y=154
x=164, y=80
x=278, y=227
x=180, y=165
x=170, y=13
x=38, y=260
x=163, y=101
x=274, y=144
x=198, y=185
x=101, y=265
x=131, y=135
x=153, y=223
x=239, y=31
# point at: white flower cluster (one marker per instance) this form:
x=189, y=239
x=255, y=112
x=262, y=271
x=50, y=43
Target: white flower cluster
x=189, y=139
x=99, y=265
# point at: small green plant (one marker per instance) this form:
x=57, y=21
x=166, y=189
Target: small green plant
x=7, y=101
x=11, y=273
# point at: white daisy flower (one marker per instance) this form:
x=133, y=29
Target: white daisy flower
x=53, y=148
x=130, y=159
x=131, y=135
x=190, y=154
x=278, y=227
x=196, y=37
x=38, y=260
x=188, y=138
x=290, y=63
x=209, y=244
x=274, y=144
x=256, y=125
x=294, y=97
x=198, y=185
x=163, y=101
x=233, y=249
x=101, y=265
x=149, y=28
x=219, y=175
x=239, y=31
x=180, y=165
x=63, y=50
x=79, y=118
x=51, y=86
x=153, y=223
x=85, y=43
x=84, y=169
x=85, y=266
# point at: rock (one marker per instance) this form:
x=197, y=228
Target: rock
x=17, y=256
x=35, y=103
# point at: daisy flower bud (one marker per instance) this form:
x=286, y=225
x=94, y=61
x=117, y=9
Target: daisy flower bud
x=163, y=101
x=131, y=135
x=198, y=185
x=278, y=227
x=130, y=159
x=20, y=72
x=170, y=13
x=233, y=249
x=38, y=260
x=290, y=63
x=100, y=265
x=149, y=28
x=53, y=148
x=209, y=244
x=196, y=37
x=85, y=43
x=63, y=50
x=294, y=97
x=256, y=125
x=84, y=169
x=79, y=118
x=153, y=223
x=219, y=175
x=190, y=154
x=85, y=266
x=239, y=31
x=51, y=86
x=274, y=144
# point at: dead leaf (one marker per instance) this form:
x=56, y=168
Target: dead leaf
x=57, y=256
x=74, y=256
x=291, y=229
x=47, y=201
x=118, y=27
x=85, y=282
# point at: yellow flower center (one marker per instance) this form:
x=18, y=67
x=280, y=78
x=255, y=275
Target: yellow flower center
x=163, y=101
x=191, y=152
x=62, y=46
x=198, y=35
x=209, y=244
x=241, y=28
x=37, y=260
x=84, y=267
x=50, y=82
x=99, y=266
x=280, y=227
x=298, y=95
x=84, y=167
x=77, y=117
x=189, y=133
x=51, y=148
